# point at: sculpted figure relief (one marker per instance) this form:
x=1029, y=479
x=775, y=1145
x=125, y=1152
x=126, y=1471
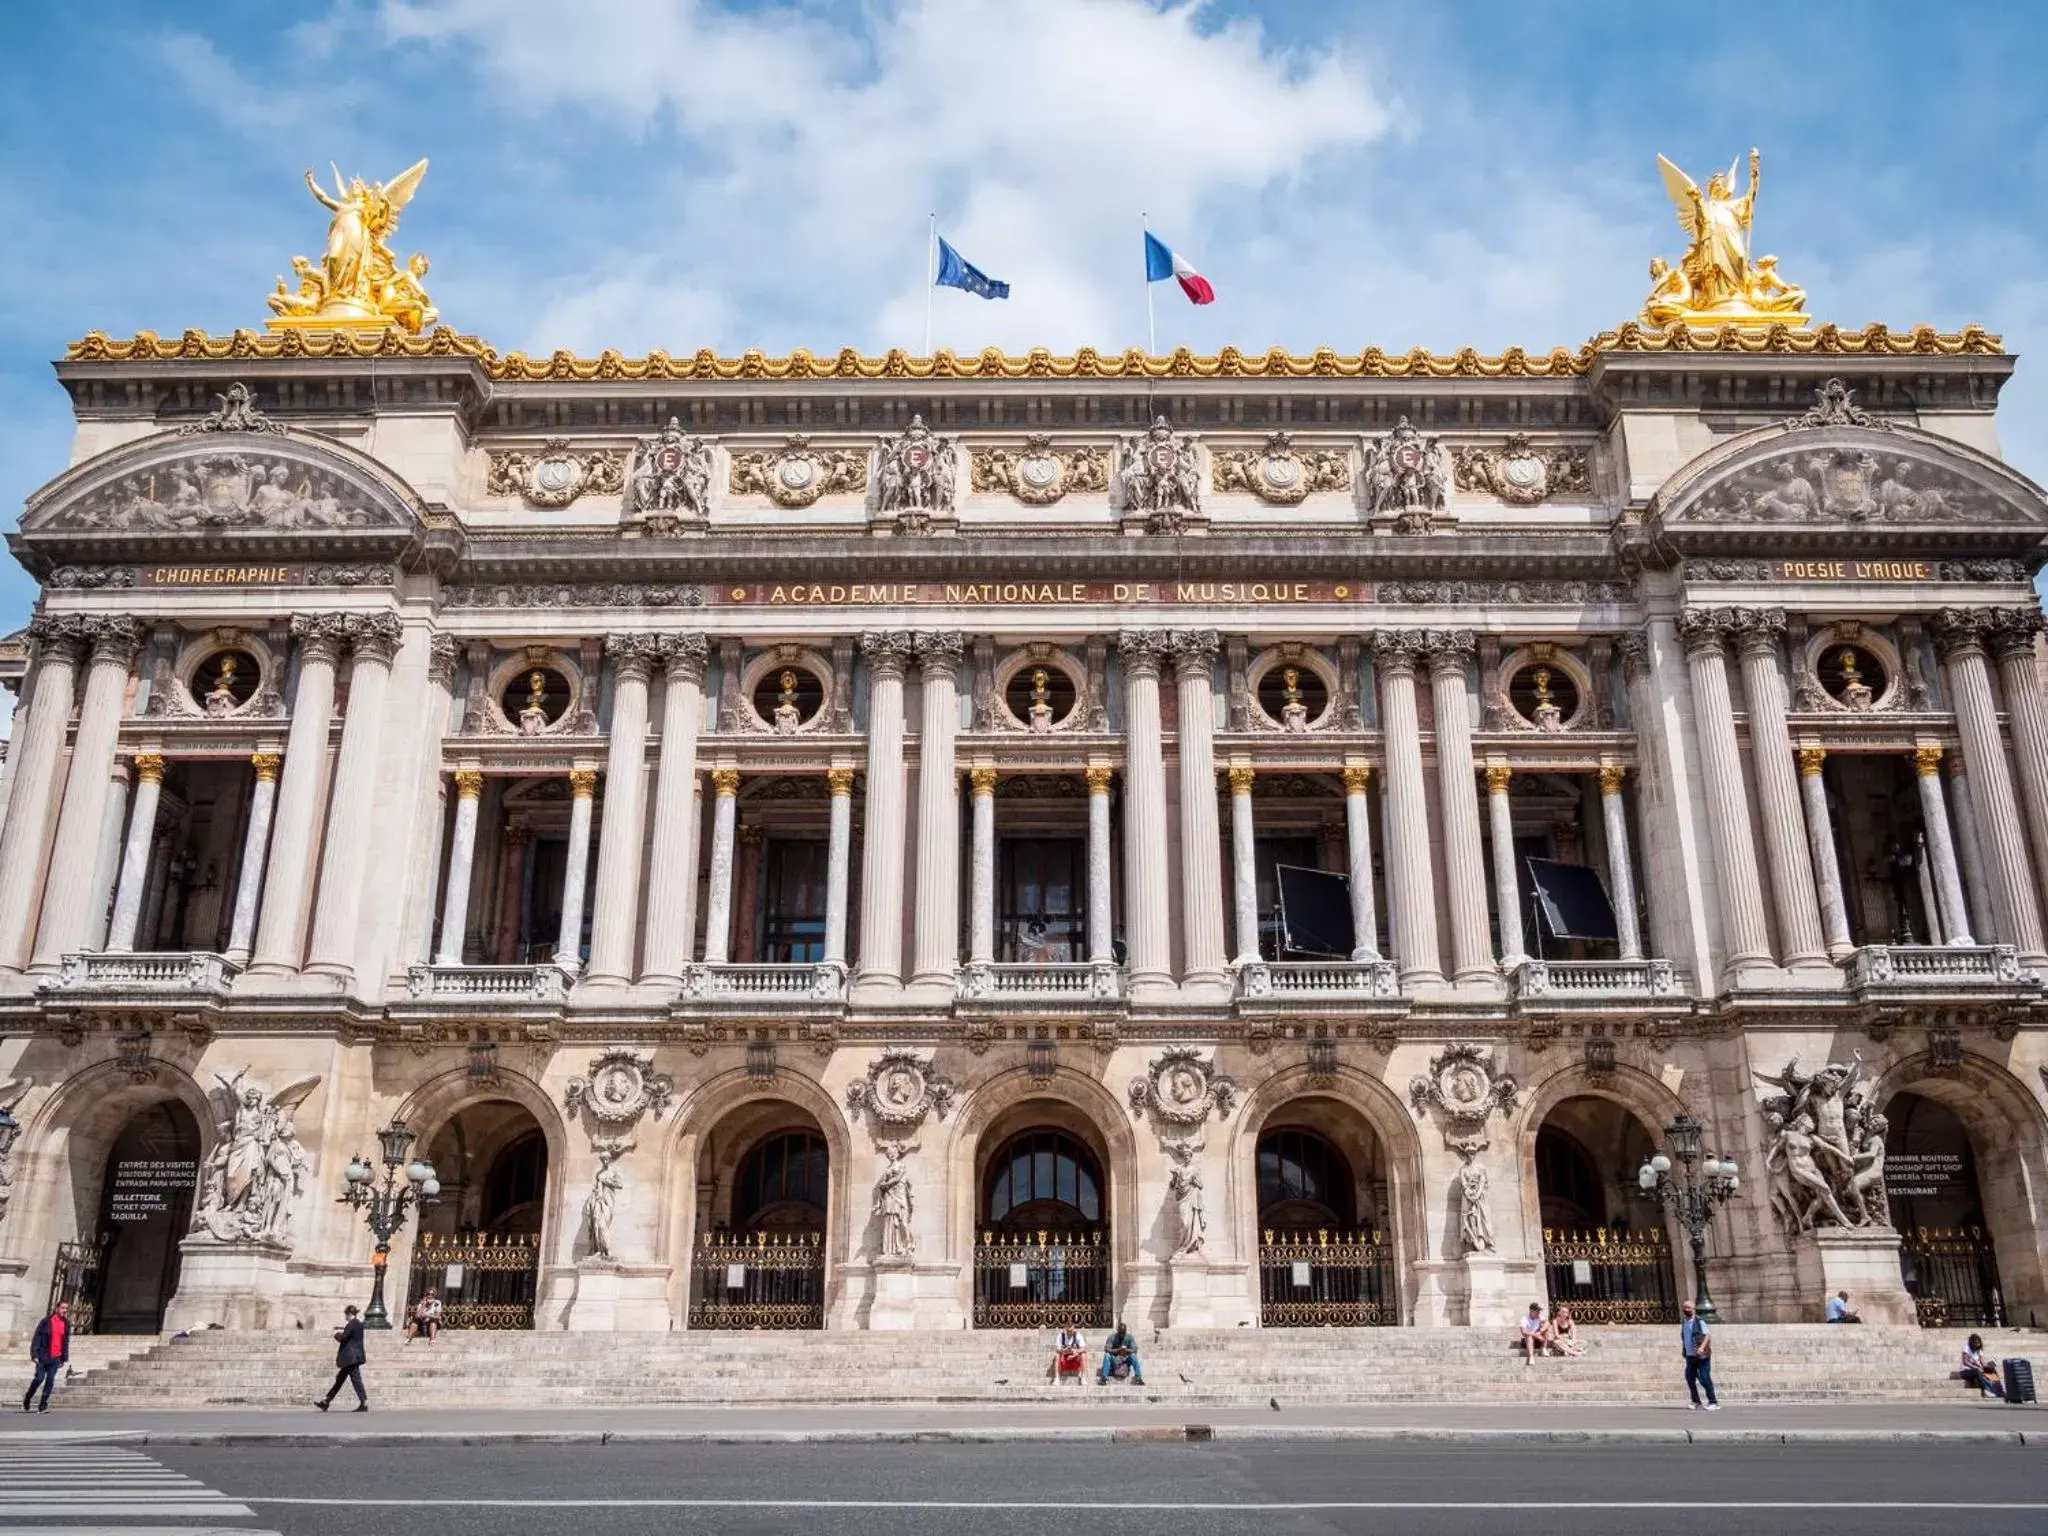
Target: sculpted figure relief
x=1405, y=476
x=1718, y=280
x=917, y=476
x=894, y=1205
x=223, y=490
x=601, y=1204
x=1827, y=1148
x=1475, y=1223
x=358, y=284
x=1159, y=478
x=1184, y=1186
x=671, y=477
x=257, y=1169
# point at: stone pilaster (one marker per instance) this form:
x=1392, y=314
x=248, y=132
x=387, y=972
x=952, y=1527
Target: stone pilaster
x=1785, y=839
x=935, y=954
x=1101, y=946
x=838, y=864
x=67, y=892
x=1507, y=888
x=134, y=879
x=1358, y=854
x=35, y=757
x=1744, y=942
x=294, y=841
x=1450, y=654
x=255, y=847
x=1827, y=869
x=671, y=926
x=725, y=805
x=469, y=789
x=1145, y=863
x=981, y=944
x=2013, y=632
x=1941, y=848
x=374, y=640
x=1244, y=885
x=1411, y=882
x=1961, y=635
x=1621, y=868
x=881, y=867
x=617, y=912
x=1201, y=848
x=576, y=869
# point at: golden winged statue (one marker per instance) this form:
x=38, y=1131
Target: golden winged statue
x=358, y=284
x=1718, y=281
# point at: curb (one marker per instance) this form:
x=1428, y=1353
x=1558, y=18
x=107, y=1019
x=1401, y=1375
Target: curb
x=1010, y=1434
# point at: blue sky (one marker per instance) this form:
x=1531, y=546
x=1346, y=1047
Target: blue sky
x=640, y=173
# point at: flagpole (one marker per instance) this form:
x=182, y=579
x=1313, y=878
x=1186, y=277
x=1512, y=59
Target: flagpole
x=1151, y=324
x=931, y=274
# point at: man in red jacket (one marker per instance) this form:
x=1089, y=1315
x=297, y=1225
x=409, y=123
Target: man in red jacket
x=50, y=1349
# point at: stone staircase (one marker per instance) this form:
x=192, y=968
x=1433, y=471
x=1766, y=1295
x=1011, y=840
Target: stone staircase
x=1772, y=1363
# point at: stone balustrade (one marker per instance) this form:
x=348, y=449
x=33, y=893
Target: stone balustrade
x=183, y=972
x=1595, y=980
x=1318, y=979
x=1914, y=967
x=1094, y=981
x=762, y=980
x=496, y=983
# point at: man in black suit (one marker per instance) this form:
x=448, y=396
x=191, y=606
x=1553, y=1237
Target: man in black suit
x=348, y=1362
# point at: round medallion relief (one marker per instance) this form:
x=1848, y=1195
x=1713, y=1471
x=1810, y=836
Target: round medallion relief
x=1040, y=473
x=796, y=473
x=556, y=475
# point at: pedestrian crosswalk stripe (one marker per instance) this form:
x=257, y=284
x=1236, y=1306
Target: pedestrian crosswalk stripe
x=53, y=1481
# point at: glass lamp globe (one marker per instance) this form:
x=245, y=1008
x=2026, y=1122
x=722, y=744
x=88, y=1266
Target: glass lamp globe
x=358, y=1171
x=1661, y=1163
x=1646, y=1176
x=418, y=1172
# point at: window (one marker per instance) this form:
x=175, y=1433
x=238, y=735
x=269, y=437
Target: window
x=782, y=1184
x=516, y=1185
x=793, y=917
x=1268, y=853
x=1043, y=1179
x=1304, y=1182
x=1042, y=919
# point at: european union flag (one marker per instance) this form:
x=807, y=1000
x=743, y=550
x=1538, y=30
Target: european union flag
x=956, y=272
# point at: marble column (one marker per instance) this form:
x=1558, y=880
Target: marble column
x=1450, y=654
x=2013, y=632
x=35, y=758
x=616, y=905
x=512, y=893
x=725, y=811
x=1827, y=869
x=352, y=799
x=1970, y=851
x=1203, y=954
x=1704, y=631
x=838, y=864
x=670, y=930
x=67, y=889
x=134, y=880
x=255, y=846
x=881, y=867
x=469, y=789
x=1507, y=888
x=294, y=835
x=1244, y=875
x=1149, y=950
x=1411, y=882
x=1358, y=852
x=107, y=861
x=935, y=953
x=1961, y=634
x=1777, y=788
x=981, y=876
x=576, y=870
x=1941, y=847
x=1101, y=932
x=1621, y=866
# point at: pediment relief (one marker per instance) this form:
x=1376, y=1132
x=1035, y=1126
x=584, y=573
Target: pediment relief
x=181, y=486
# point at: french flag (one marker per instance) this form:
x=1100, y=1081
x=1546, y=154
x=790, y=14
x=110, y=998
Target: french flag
x=1161, y=263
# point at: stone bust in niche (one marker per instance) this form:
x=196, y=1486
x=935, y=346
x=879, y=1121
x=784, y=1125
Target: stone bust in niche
x=1293, y=713
x=533, y=718
x=220, y=698
x=1040, y=715
x=787, y=716
x=1856, y=693
x=1546, y=716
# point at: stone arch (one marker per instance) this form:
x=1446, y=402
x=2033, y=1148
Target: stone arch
x=431, y=1105
x=2008, y=1132
x=1374, y=1104
x=1637, y=1092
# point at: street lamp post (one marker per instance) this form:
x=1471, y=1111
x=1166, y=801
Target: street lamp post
x=1700, y=1186
x=384, y=1209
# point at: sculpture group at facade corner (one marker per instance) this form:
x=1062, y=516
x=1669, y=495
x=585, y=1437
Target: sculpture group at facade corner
x=1827, y=1148
x=257, y=1170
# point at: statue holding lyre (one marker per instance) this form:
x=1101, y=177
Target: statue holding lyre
x=1718, y=281
x=358, y=284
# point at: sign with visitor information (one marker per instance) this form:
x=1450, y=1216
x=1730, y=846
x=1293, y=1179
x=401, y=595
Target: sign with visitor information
x=1582, y=1271
x=145, y=1187
x=1924, y=1175
x=735, y=1277
x=1301, y=1279
x=1019, y=1277
x=451, y=1278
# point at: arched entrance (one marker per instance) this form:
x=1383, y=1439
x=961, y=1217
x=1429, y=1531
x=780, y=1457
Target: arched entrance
x=479, y=1245
x=1041, y=1253
x=1605, y=1249
x=1948, y=1254
x=759, y=1260
x=122, y=1282
x=1326, y=1251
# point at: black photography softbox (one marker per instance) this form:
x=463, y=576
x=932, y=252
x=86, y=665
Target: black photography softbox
x=1315, y=912
x=1570, y=900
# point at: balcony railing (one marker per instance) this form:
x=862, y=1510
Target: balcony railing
x=1595, y=980
x=497, y=983
x=1079, y=980
x=1928, y=965
x=1318, y=978
x=179, y=971
x=817, y=983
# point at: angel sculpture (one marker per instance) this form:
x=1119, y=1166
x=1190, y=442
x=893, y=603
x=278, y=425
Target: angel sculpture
x=894, y=1205
x=358, y=284
x=257, y=1167
x=12, y=1093
x=1717, y=279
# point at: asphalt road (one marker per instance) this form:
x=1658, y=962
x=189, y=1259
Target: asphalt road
x=1183, y=1489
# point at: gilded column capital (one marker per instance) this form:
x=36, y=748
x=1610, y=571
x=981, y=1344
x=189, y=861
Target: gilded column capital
x=886, y=651
x=374, y=636
x=1612, y=777
x=982, y=780
x=686, y=656
x=1449, y=650
x=1357, y=778
x=2013, y=631
x=115, y=640
x=1098, y=776
x=443, y=651
x=1927, y=761
x=1634, y=647
x=1241, y=778
x=1758, y=629
x=266, y=765
x=632, y=654
x=725, y=782
x=1142, y=650
x=1812, y=760
x=1498, y=777
x=939, y=651
x=1397, y=650
x=1193, y=651
x=839, y=780
x=1704, y=631
x=149, y=767
x=1961, y=631
x=582, y=783
x=469, y=783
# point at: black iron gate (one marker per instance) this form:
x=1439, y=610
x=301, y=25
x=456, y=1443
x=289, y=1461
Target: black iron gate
x=483, y=1280
x=76, y=1279
x=758, y=1280
x=1042, y=1280
x=1610, y=1276
x=1323, y=1279
x=1952, y=1275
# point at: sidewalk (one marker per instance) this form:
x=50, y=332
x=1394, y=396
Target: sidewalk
x=1091, y=1417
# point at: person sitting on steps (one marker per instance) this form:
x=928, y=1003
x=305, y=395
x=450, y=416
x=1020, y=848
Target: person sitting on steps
x=1069, y=1354
x=1838, y=1309
x=1119, y=1354
x=1979, y=1370
x=1564, y=1333
x=1535, y=1333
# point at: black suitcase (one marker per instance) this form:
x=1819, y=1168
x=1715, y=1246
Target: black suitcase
x=2019, y=1380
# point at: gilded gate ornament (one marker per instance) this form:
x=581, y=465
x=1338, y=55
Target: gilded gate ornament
x=358, y=284
x=1718, y=281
